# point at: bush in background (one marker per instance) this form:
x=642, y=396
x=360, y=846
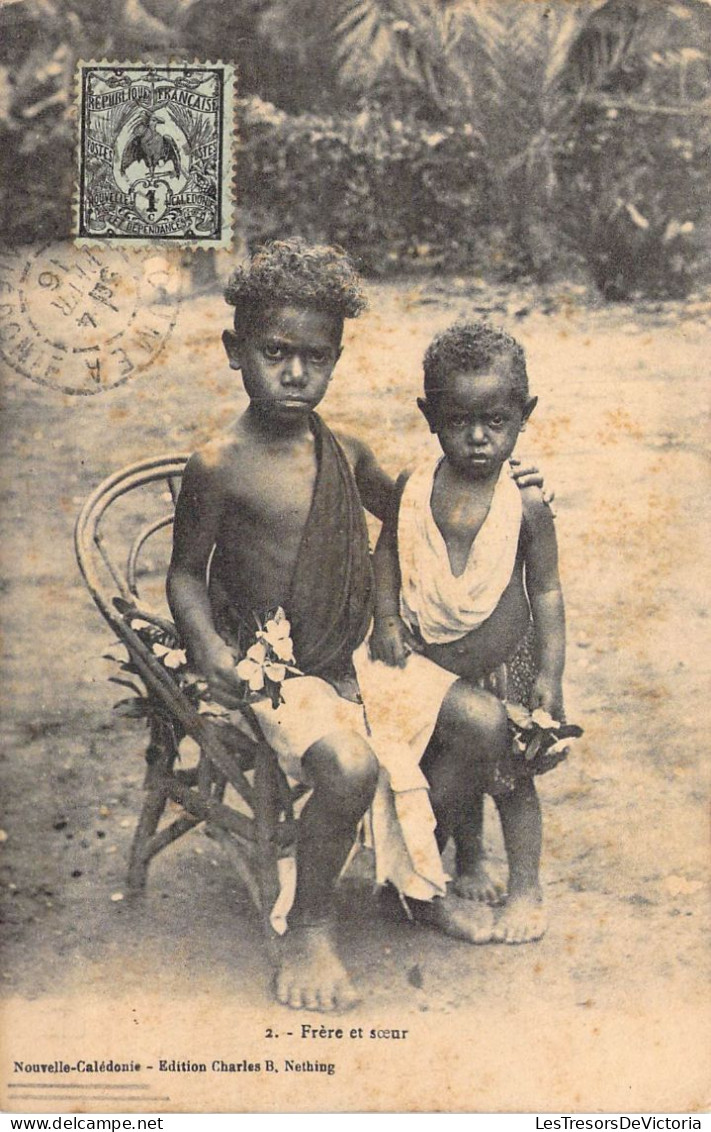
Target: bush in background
x=391, y=191
x=635, y=201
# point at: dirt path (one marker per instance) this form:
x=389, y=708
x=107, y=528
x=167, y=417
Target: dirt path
x=620, y=432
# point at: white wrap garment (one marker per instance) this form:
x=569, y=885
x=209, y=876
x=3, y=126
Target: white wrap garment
x=444, y=607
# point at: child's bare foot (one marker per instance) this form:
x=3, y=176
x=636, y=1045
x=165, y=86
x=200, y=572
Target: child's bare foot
x=461, y=919
x=477, y=884
x=522, y=920
x=310, y=975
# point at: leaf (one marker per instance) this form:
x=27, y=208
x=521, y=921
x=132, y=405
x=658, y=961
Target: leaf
x=569, y=731
x=534, y=746
x=132, y=708
x=123, y=606
x=128, y=684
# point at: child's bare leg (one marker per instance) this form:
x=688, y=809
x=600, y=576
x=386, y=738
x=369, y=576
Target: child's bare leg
x=473, y=880
x=344, y=772
x=523, y=918
x=470, y=737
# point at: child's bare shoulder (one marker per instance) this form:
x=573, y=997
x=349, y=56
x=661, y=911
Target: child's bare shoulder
x=355, y=449
x=213, y=466
x=218, y=454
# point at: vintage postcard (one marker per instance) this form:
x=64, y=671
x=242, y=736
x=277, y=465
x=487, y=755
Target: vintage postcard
x=292, y=824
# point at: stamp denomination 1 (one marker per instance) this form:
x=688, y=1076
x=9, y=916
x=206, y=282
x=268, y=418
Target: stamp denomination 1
x=83, y=320
x=155, y=154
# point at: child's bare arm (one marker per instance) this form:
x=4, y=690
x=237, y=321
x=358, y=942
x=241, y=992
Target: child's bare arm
x=197, y=517
x=546, y=598
x=391, y=640
x=374, y=484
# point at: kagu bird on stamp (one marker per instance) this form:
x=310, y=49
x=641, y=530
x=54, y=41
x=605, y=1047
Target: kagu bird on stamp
x=155, y=154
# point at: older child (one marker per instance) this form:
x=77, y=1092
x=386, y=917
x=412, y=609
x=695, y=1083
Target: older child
x=467, y=571
x=270, y=515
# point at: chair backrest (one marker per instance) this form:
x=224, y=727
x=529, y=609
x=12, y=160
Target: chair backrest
x=110, y=540
x=112, y=531
x=111, y=573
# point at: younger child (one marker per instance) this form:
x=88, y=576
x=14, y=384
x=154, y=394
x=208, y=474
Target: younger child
x=270, y=515
x=467, y=574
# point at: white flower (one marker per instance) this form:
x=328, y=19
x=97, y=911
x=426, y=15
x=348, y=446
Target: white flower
x=543, y=720
x=210, y=707
x=277, y=635
x=172, y=658
x=256, y=665
x=518, y=715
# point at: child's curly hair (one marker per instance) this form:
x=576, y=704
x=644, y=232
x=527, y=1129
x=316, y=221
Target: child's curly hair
x=472, y=346
x=284, y=271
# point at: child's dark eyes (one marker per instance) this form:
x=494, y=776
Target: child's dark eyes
x=273, y=352
x=460, y=422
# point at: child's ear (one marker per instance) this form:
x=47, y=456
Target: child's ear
x=527, y=410
x=428, y=412
x=231, y=343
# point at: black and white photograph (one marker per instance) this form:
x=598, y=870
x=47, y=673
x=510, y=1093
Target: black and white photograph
x=355, y=530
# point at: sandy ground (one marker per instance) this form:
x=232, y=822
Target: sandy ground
x=610, y=1009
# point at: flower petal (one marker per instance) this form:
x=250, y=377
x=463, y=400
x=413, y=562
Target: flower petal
x=519, y=715
x=210, y=707
x=256, y=680
x=258, y=652
x=542, y=719
x=275, y=672
x=283, y=649
x=246, y=668
x=175, y=658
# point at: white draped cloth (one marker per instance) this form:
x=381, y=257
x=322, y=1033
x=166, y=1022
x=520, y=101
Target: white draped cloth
x=441, y=606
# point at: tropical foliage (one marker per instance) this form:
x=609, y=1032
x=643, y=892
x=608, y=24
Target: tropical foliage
x=403, y=125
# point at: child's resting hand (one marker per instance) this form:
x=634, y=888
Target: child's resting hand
x=391, y=641
x=548, y=694
x=217, y=663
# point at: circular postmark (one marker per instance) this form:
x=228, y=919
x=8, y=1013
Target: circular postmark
x=84, y=320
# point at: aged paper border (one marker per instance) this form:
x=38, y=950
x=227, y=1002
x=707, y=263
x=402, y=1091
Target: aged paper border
x=480, y=1061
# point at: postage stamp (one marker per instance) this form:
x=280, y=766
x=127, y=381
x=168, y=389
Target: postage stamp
x=155, y=154
x=83, y=320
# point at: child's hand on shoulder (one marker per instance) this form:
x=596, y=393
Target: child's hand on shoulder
x=548, y=694
x=391, y=641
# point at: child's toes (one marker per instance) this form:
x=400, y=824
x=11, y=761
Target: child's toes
x=523, y=920
x=478, y=885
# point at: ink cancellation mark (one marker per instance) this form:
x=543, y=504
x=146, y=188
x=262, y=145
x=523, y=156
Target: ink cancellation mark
x=84, y=320
x=155, y=154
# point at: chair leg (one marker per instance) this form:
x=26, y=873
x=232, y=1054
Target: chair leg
x=266, y=817
x=161, y=756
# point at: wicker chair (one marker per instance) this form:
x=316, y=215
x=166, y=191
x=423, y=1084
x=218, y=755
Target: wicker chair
x=118, y=521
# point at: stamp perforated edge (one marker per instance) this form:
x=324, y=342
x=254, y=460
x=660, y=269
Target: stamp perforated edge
x=229, y=146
